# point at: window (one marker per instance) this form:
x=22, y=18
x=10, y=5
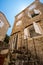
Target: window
x=26, y=33
x=18, y=23
x=29, y=15
x=32, y=32
x=37, y=28
x=1, y=24
x=20, y=15
x=37, y=11
x=32, y=7
x=33, y=15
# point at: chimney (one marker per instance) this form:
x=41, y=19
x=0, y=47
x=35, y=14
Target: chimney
x=37, y=0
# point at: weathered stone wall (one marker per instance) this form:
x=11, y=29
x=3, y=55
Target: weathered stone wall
x=4, y=29
x=31, y=46
x=38, y=42
x=39, y=47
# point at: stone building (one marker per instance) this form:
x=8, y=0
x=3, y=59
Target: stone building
x=28, y=29
x=4, y=25
x=4, y=48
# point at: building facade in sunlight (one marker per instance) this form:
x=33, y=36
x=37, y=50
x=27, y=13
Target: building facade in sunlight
x=4, y=25
x=28, y=29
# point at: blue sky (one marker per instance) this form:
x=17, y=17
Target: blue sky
x=12, y=7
